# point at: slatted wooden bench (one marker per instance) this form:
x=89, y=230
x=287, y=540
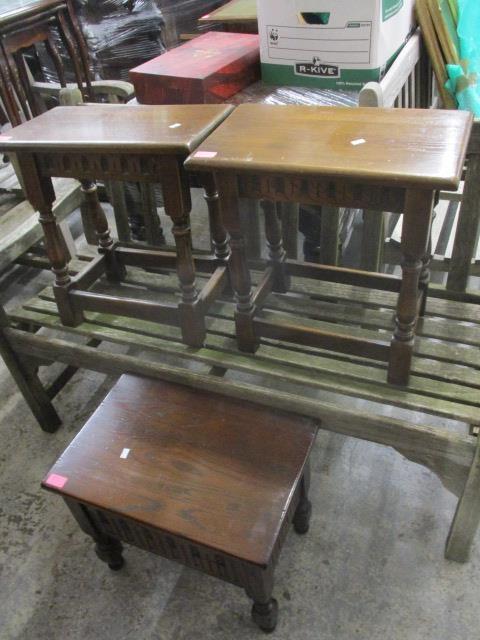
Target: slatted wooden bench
x=444, y=384
x=409, y=84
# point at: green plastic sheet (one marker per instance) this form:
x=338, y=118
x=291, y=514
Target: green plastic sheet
x=464, y=79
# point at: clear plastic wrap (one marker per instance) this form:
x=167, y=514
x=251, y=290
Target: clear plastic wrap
x=181, y=18
x=120, y=34
x=260, y=92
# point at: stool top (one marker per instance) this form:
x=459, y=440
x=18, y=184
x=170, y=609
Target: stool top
x=176, y=129
x=400, y=147
x=214, y=470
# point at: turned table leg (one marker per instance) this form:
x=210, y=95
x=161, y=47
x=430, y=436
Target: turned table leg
x=265, y=608
x=238, y=267
x=107, y=548
x=303, y=512
x=96, y=214
x=177, y=204
x=41, y=195
x=276, y=252
x=414, y=245
x=218, y=232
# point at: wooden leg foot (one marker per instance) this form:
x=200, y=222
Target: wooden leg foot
x=265, y=615
x=109, y=550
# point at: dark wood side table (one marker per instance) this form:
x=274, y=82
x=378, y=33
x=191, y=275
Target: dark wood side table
x=211, y=482
x=377, y=159
x=139, y=144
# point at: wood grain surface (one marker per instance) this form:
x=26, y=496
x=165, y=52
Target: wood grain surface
x=106, y=127
x=218, y=471
x=401, y=147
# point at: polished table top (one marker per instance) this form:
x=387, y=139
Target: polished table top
x=234, y=11
x=175, y=129
x=215, y=470
x=401, y=147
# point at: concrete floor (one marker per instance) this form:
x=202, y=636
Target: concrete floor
x=370, y=568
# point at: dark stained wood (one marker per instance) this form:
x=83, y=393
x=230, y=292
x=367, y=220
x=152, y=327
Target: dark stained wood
x=128, y=307
x=415, y=237
x=239, y=273
x=315, y=191
x=143, y=144
x=378, y=159
x=218, y=232
x=28, y=26
x=118, y=128
x=343, y=343
x=210, y=482
x=302, y=140
x=276, y=252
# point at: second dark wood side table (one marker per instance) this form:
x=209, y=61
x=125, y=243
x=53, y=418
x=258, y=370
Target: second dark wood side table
x=379, y=159
x=138, y=144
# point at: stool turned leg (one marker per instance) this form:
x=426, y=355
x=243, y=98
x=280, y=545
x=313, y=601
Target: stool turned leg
x=415, y=235
x=177, y=204
x=303, y=512
x=109, y=550
x=425, y=277
x=95, y=212
x=218, y=232
x=238, y=267
x=265, y=615
x=41, y=195
x=265, y=608
x=276, y=252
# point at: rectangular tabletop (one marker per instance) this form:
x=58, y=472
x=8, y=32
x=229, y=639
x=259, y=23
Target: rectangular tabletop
x=234, y=11
x=399, y=147
x=217, y=471
x=176, y=129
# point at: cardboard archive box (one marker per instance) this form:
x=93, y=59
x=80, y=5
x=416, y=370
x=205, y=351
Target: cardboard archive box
x=331, y=43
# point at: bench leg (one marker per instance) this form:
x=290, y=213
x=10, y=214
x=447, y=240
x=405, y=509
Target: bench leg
x=467, y=516
x=29, y=384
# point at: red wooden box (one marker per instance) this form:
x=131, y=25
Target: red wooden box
x=207, y=69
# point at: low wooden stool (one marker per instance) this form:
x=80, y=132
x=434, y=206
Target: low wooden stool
x=144, y=144
x=377, y=159
x=206, y=480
